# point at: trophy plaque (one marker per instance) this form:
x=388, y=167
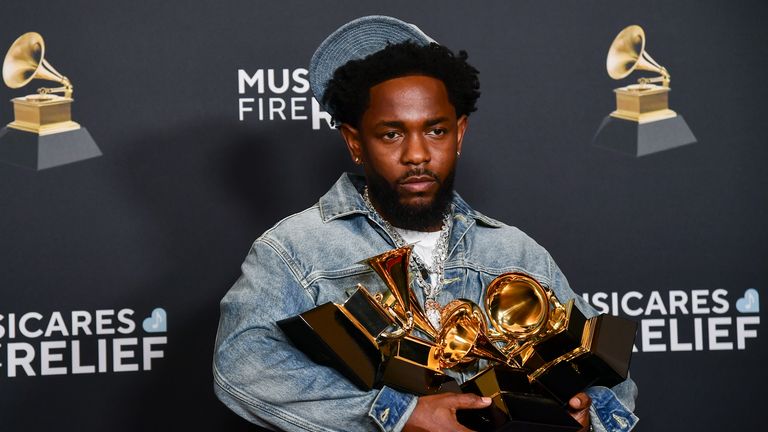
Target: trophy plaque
x=42, y=134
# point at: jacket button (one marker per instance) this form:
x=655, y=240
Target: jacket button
x=384, y=415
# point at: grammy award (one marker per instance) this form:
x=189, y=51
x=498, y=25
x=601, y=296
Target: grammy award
x=42, y=134
x=368, y=337
x=642, y=122
x=540, y=352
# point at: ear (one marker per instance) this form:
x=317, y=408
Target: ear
x=461, y=124
x=352, y=138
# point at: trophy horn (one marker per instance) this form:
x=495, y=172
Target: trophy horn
x=517, y=305
x=627, y=54
x=26, y=61
x=392, y=268
x=463, y=336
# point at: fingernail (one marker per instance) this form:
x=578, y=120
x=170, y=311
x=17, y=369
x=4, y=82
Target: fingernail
x=486, y=400
x=576, y=402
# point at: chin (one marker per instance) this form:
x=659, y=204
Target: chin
x=418, y=203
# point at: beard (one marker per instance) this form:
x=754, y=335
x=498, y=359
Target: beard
x=411, y=217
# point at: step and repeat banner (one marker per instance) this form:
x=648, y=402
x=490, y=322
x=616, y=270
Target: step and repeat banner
x=198, y=131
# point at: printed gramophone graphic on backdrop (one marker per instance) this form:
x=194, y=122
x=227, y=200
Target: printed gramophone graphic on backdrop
x=642, y=122
x=539, y=351
x=42, y=134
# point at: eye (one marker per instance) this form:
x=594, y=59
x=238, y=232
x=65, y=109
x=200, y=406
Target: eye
x=438, y=132
x=390, y=136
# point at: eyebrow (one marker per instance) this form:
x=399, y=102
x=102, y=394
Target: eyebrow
x=400, y=124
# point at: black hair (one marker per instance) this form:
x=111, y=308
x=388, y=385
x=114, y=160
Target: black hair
x=347, y=95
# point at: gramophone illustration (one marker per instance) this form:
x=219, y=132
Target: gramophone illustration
x=642, y=122
x=42, y=134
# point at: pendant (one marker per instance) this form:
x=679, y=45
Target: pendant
x=433, y=313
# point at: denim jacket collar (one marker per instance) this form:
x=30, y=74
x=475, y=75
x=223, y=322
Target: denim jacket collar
x=345, y=198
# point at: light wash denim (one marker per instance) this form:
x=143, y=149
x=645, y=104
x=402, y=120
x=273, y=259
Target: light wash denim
x=313, y=257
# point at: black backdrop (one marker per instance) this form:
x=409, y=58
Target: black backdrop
x=164, y=218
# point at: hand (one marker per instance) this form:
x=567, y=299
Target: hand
x=578, y=408
x=438, y=412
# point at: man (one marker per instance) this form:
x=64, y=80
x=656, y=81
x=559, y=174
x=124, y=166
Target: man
x=402, y=104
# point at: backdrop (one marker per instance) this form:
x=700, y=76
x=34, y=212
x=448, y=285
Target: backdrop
x=111, y=269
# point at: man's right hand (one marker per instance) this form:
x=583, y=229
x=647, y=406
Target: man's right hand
x=437, y=413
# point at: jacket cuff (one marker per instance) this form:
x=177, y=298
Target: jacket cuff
x=391, y=409
x=607, y=412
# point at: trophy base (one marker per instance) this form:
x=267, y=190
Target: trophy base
x=43, y=114
x=38, y=152
x=641, y=139
x=516, y=406
x=511, y=412
x=603, y=359
x=328, y=337
x=410, y=366
x=643, y=103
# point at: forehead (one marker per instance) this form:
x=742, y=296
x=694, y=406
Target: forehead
x=409, y=98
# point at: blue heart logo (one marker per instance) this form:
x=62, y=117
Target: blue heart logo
x=750, y=303
x=157, y=322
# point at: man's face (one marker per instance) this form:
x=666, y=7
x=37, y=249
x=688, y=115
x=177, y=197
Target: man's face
x=407, y=141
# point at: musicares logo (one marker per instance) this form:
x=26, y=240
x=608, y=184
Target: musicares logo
x=278, y=95
x=80, y=342
x=677, y=320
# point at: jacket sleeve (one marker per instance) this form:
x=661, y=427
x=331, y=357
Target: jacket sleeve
x=612, y=408
x=260, y=376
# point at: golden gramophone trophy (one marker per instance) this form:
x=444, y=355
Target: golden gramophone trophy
x=368, y=337
x=548, y=352
x=42, y=134
x=540, y=352
x=642, y=122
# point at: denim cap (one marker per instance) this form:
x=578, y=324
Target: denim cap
x=356, y=40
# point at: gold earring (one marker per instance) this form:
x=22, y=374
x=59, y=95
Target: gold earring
x=357, y=160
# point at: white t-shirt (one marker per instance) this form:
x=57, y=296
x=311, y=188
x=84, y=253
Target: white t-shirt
x=424, y=245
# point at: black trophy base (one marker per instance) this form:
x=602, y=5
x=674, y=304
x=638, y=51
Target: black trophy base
x=519, y=413
x=329, y=338
x=405, y=369
x=517, y=405
x=638, y=139
x=604, y=363
x=33, y=151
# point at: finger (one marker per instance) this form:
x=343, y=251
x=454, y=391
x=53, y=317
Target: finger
x=579, y=402
x=470, y=401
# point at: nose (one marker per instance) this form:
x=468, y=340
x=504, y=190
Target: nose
x=415, y=150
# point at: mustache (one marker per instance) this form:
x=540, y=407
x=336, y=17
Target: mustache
x=420, y=172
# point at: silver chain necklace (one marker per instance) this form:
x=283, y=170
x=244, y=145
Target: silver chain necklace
x=439, y=256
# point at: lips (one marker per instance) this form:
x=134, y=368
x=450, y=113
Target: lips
x=418, y=183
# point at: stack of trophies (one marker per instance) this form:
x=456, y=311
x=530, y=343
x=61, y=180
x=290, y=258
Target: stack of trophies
x=539, y=352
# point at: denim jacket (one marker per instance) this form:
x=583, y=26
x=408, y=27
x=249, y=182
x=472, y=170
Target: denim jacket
x=313, y=257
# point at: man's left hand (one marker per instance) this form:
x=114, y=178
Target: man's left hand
x=578, y=408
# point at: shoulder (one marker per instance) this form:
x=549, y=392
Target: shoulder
x=312, y=244
x=293, y=225
x=306, y=230
x=497, y=247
